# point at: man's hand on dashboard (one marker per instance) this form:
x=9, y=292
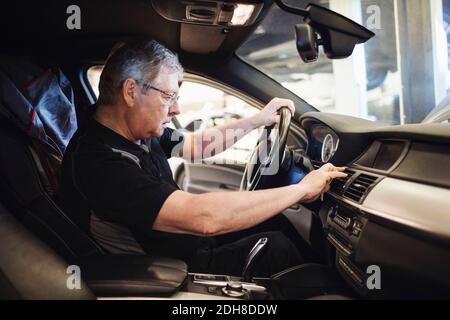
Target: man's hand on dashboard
x=318, y=182
x=268, y=116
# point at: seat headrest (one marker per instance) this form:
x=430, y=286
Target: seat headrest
x=38, y=98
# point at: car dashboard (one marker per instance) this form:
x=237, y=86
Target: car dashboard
x=391, y=214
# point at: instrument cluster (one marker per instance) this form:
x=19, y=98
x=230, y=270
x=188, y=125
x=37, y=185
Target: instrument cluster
x=323, y=143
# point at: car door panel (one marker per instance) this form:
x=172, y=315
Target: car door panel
x=203, y=178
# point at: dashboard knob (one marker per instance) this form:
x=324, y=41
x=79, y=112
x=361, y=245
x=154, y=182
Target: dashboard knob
x=234, y=289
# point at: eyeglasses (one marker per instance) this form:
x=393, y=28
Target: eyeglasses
x=170, y=97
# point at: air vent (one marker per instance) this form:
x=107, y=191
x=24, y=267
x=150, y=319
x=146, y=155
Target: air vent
x=338, y=185
x=359, y=188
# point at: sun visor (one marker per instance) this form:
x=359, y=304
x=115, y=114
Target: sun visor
x=201, y=39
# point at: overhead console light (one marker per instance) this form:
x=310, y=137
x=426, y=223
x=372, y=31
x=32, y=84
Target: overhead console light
x=210, y=12
x=242, y=14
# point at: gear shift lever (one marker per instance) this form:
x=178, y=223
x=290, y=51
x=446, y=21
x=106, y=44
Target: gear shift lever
x=251, y=258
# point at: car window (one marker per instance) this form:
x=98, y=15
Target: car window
x=376, y=82
x=93, y=76
x=203, y=106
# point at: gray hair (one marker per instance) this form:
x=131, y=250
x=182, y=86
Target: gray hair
x=140, y=60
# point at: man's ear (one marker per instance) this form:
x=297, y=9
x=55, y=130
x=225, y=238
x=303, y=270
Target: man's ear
x=129, y=91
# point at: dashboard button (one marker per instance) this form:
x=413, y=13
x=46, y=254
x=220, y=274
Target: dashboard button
x=357, y=228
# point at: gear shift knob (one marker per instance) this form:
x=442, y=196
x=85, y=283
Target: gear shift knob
x=251, y=258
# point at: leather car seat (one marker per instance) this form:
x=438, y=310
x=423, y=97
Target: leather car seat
x=37, y=118
x=24, y=193
x=29, y=269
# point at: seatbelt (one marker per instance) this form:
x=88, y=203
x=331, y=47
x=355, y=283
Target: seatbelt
x=129, y=156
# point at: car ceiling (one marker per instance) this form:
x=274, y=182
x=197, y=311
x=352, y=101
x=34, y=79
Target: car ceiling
x=40, y=27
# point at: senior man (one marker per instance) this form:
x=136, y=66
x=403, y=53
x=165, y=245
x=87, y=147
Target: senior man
x=118, y=186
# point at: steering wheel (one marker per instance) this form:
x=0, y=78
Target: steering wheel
x=268, y=155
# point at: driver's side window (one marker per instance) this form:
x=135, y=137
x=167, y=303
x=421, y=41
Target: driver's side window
x=203, y=106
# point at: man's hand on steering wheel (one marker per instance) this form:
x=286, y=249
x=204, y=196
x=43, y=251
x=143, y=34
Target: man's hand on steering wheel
x=269, y=116
x=276, y=118
x=318, y=181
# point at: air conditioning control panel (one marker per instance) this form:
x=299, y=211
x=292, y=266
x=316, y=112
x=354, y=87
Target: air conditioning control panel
x=345, y=228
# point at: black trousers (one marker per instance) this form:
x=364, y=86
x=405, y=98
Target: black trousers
x=228, y=253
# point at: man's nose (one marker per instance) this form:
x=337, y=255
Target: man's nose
x=174, y=108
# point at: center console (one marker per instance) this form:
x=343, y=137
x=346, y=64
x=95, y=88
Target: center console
x=345, y=226
x=226, y=286
x=297, y=283
x=146, y=276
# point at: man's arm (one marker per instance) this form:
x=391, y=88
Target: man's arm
x=223, y=212
x=213, y=141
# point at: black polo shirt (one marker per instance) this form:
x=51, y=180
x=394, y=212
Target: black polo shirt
x=113, y=189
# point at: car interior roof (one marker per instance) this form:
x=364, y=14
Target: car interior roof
x=39, y=29
x=40, y=26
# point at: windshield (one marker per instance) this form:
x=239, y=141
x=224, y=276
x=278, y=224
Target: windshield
x=398, y=77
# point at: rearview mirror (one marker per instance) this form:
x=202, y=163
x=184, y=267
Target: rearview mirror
x=307, y=43
x=338, y=34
